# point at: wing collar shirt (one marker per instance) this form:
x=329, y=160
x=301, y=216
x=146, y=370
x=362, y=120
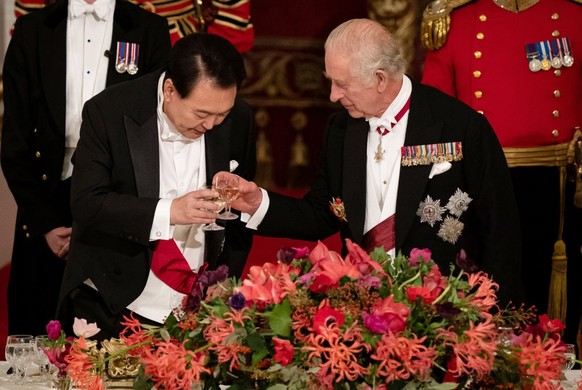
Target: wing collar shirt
x=89, y=32
x=382, y=176
x=182, y=170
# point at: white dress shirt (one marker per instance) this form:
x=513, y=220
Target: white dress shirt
x=381, y=178
x=182, y=170
x=88, y=36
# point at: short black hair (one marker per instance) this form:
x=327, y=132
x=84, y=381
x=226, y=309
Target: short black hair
x=204, y=56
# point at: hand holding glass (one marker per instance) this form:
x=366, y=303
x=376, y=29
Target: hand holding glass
x=217, y=201
x=227, y=187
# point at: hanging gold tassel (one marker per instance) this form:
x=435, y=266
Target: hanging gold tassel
x=557, y=301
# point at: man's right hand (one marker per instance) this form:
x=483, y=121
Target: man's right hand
x=250, y=195
x=193, y=208
x=58, y=241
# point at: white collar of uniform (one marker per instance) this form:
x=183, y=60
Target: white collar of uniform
x=387, y=119
x=100, y=8
x=168, y=131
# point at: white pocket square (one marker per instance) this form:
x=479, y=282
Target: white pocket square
x=232, y=165
x=439, y=168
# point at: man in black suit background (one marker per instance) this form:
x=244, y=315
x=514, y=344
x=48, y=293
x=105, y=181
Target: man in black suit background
x=59, y=57
x=146, y=147
x=403, y=166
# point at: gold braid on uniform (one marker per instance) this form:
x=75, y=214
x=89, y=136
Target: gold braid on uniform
x=436, y=22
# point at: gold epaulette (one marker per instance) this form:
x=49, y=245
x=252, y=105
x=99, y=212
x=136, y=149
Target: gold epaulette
x=436, y=22
x=577, y=1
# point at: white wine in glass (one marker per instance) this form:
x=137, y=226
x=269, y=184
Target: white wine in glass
x=217, y=200
x=227, y=187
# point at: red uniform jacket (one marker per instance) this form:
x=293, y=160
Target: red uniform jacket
x=484, y=64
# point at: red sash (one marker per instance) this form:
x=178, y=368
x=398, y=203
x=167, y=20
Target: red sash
x=171, y=267
x=383, y=234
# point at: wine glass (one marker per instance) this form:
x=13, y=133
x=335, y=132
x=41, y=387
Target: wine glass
x=41, y=359
x=19, y=352
x=227, y=187
x=570, y=355
x=217, y=200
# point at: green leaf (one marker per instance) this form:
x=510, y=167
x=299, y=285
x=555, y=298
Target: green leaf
x=280, y=319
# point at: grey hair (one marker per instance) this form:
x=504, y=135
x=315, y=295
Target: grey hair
x=371, y=47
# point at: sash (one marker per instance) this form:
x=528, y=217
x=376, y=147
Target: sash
x=171, y=267
x=383, y=234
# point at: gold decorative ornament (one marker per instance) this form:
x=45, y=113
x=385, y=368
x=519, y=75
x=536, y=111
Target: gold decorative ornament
x=515, y=5
x=436, y=22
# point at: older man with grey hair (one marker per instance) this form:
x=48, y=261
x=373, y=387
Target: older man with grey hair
x=403, y=166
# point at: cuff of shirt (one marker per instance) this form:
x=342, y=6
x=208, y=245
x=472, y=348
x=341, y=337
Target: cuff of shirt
x=253, y=221
x=161, y=229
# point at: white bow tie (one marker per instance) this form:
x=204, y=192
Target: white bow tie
x=99, y=8
x=385, y=122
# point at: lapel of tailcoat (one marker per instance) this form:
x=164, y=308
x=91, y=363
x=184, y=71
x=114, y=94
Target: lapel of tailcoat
x=421, y=130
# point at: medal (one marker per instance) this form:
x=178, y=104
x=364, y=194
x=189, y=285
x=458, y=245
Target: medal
x=430, y=211
x=532, y=53
x=556, y=60
x=121, y=57
x=545, y=63
x=567, y=59
x=134, y=54
x=379, y=153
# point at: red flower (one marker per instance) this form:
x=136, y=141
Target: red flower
x=283, y=351
x=322, y=283
x=327, y=316
x=550, y=326
x=414, y=292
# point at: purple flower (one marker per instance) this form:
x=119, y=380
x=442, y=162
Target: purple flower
x=53, y=329
x=447, y=310
x=287, y=254
x=465, y=263
x=237, y=301
x=370, y=281
x=207, y=278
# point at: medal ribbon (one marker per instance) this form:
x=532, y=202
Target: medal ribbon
x=383, y=131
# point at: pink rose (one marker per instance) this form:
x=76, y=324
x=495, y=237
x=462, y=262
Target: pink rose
x=283, y=351
x=419, y=255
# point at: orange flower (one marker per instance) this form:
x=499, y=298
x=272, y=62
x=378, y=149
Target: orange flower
x=474, y=350
x=270, y=283
x=172, y=366
x=336, y=352
x=401, y=357
x=485, y=296
x=80, y=366
x=541, y=360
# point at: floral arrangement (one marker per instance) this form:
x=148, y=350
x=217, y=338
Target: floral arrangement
x=315, y=320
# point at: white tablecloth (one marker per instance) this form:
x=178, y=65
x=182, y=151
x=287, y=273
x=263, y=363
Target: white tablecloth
x=6, y=384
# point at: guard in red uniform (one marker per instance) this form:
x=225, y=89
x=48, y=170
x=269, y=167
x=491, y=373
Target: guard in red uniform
x=519, y=63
